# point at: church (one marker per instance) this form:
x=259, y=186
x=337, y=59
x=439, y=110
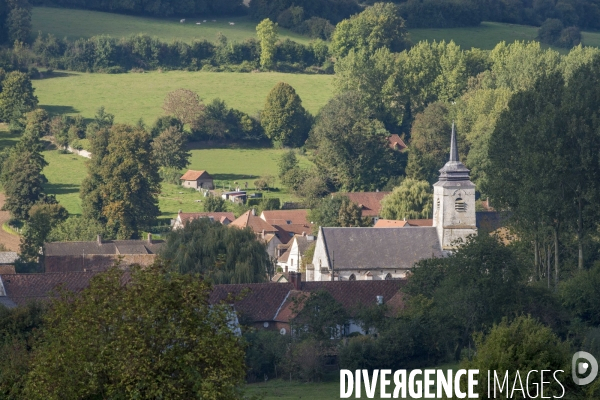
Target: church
x=349, y=254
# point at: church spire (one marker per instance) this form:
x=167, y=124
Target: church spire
x=453, y=146
x=454, y=170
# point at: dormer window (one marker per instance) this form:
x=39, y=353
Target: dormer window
x=460, y=205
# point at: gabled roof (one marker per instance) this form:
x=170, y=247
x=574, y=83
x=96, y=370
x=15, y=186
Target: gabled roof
x=273, y=301
x=255, y=223
x=420, y=222
x=379, y=248
x=370, y=202
x=106, y=247
x=192, y=175
x=23, y=288
x=396, y=142
x=389, y=223
x=286, y=217
x=215, y=216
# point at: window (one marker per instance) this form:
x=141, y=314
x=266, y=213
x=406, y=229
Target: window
x=352, y=277
x=460, y=205
x=438, y=203
x=388, y=277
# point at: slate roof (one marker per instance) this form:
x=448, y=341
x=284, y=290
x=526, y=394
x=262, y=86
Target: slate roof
x=273, y=301
x=370, y=202
x=106, y=247
x=192, y=175
x=23, y=288
x=8, y=257
x=377, y=248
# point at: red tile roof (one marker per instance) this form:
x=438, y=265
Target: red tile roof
x=255, y=223
x=24, y=288
x=389, y=223
x=192, y=175
x=396, y=142
x=285, y=217
x=273, y=301
x=370, y=202
x=420, y=222
x=216, y=216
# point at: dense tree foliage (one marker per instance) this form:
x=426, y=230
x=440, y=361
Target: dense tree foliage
x=267, y=35
x=75, y=229
x=337, y=210
x=379, y=26
x=351, y=147
x=17, y=96
x=411, y=200
x=170, y=149
x=42, y=219
x=122, y=186
x=155, y=336
x=283, y=118
x=219, y=253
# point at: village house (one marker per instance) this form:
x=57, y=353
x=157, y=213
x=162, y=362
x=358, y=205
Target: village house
x=368, y=202
x=292, y=257
x=99, y=255
x=397, y=143
x=385, y=253
x=224, y=218
x=197, y=180
x=263, y=230
x=288, y=223
x=270, y=306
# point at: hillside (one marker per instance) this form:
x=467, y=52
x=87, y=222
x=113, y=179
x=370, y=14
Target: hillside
x=74, y=24
x=133, y=96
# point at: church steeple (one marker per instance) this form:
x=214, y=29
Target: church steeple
x=453, y=146
x=454, y=170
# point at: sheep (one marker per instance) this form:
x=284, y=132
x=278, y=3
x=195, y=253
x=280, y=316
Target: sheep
x=198, y=23
x=181, y=21
x=232, y=23
x=204, y=21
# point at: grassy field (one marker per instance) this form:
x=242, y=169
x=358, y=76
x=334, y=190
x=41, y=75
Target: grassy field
x=65, y=172
x=74, y=24
x=133, y=96
x=489, y=34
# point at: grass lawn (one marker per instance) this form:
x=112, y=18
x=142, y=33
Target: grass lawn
x=489, y=34
x=133, y=96
x=74, y=24
x=65, y=172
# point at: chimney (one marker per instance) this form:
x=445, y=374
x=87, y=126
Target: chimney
x=296, y=280
x=379, y=300
x=262, y=234
x=303, y=233
x=150, y=238
x=99, y=239
x=179, y=212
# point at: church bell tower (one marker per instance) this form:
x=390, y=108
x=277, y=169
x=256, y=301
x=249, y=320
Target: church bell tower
x=454, y=201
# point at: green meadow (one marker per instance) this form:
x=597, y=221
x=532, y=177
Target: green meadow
x=487, y=35
x=65, y=172
x=75, y=24
x=133, y=96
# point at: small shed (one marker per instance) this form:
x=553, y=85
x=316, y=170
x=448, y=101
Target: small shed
x=197, y=180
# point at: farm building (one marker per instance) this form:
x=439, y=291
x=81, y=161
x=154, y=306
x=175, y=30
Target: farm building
x=197, y=180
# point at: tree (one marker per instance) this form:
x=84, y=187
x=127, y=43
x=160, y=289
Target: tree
x=169, y=149
x=75, y=229
x=411, y=200
x=352, y=148
x=184, y=105
x=318, y=315
x=429, y=144
x=288, y=161
x=42, y=219
x=205, y=247
x=337, y=210
x=522, y=345
x=214, y=204
x=37, y=122
x=284, y=119
x=154, y=336
x=123, y=182
x=19, y=24
x=163, y=123
x=376, y=27
x=17, y=96
x=267, y=35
